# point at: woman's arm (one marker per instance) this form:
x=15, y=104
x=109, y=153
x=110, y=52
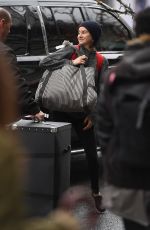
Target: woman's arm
x=57, y=59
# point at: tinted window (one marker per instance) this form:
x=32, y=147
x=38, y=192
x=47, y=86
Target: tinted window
x=26, y=34
x=114, y=34
x=35, y=41
x=61, y=24
x=17, y=38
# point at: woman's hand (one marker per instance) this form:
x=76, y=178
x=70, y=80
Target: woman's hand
x=87, y=123
x=38, y=116
x=80, y=60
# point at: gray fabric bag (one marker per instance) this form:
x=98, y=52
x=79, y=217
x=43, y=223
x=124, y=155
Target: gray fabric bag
x=68, y=89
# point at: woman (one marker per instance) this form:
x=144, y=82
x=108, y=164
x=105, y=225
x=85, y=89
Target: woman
x=89, y=33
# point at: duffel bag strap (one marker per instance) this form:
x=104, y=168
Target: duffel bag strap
x=84, y=78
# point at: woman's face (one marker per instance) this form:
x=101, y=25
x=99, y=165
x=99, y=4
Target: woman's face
x=84, y=37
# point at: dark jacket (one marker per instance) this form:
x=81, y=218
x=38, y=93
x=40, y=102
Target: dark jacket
x=116, y=170
x=54, y=61
x=27, y=104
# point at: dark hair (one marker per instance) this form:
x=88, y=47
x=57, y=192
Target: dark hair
x=142, y=22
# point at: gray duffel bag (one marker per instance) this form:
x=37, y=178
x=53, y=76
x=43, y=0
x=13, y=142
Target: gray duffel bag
x=68, y=89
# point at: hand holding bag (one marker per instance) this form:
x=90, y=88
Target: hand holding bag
x=68, y=89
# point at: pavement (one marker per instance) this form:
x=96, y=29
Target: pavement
x=105, y=221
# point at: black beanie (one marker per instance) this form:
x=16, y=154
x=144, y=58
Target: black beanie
x=94, y=29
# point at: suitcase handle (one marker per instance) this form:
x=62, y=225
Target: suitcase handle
x=67, y=149
x=29, y=117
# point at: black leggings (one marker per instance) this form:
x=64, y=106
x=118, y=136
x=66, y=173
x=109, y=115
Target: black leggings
x=88, y=141
x=130, y=225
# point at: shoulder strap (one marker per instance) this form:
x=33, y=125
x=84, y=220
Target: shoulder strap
x=100, y=59
x=74, y=55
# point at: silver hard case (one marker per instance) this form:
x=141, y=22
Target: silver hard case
x=48, y=149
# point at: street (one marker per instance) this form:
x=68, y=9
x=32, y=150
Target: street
x=105, y=221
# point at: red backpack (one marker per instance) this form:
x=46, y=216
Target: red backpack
x=99, y=58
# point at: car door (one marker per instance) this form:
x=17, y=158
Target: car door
x=61, y=23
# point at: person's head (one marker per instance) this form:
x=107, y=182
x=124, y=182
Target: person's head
x=89, y=33
x=5, y=23
x=142, y=22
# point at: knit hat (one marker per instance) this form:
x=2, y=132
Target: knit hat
x=94, y=29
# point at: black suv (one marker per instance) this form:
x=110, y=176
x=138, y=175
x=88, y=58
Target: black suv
x=41, y=25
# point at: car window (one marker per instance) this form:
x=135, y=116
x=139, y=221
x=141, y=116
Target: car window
x=26, y=35
x=35, y=36
x=61, y=24
x=17, y=39
x=114, y=33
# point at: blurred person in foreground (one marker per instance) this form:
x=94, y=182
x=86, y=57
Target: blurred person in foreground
x=27, y=105
x=123, y=126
